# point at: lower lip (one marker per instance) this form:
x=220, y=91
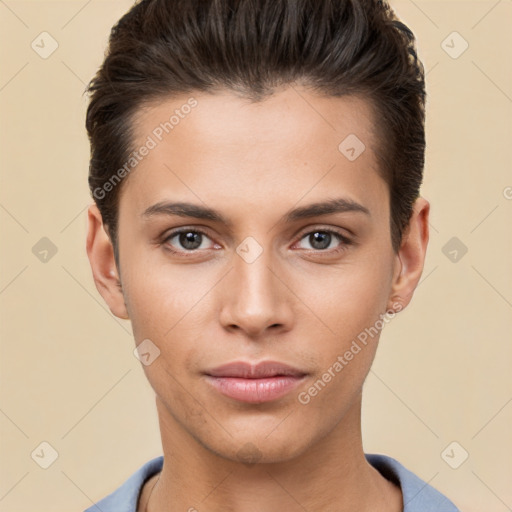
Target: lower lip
x=255, y=390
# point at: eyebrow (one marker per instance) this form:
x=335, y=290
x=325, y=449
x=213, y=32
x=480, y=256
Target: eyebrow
x=183, y=209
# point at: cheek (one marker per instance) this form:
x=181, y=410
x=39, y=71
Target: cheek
x=164, y=311
x=352, y=299
x=160, y=299
x=353, y=314
x=167, y=307
x=351, y=308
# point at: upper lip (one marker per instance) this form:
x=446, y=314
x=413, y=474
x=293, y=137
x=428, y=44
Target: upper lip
x=260, y=370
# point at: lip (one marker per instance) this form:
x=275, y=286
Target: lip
x=261, y=370
x=255, y=383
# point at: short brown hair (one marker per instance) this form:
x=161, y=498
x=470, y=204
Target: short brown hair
x=162, y=48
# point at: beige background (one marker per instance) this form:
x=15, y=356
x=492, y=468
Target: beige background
x=69, y=377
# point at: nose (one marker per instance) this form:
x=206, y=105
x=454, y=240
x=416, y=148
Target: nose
x=256, y=298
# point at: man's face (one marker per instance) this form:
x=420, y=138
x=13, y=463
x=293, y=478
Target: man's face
x=259, y=285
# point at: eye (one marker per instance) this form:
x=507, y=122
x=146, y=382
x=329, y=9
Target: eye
x=322, y=239
x=186, y=240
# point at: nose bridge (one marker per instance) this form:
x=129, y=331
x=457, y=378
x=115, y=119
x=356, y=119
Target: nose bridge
x=255, y=299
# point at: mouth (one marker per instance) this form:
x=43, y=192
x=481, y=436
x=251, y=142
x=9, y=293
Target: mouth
x=263, y=382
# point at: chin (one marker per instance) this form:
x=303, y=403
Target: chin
x=259, y=448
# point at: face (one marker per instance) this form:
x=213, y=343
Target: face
x=246, y=270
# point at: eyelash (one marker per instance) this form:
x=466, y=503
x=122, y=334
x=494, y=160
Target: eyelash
x=191, y=253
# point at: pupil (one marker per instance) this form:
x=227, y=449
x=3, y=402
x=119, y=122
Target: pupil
x=323, y=238
x=190, y=240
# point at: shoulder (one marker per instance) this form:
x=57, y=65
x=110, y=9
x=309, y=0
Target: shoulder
x=418, y=496
x=125, y=498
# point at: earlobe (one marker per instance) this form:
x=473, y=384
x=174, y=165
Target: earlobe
x=101, y=258
x=411, y=257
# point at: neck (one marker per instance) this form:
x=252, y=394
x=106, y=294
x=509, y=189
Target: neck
x=330, y=475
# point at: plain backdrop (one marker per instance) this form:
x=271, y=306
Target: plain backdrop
x=441, y=385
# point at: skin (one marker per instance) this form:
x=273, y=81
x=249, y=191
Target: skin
x=296, y=303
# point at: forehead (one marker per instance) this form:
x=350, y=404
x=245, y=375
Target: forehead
x=289, y=115
x=224, y=148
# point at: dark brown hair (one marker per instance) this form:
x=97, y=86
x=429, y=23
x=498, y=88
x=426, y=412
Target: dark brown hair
x=162, y=48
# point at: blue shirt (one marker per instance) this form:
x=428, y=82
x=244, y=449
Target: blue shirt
x=418, y=496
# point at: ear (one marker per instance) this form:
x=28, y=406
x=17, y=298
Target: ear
x=411, y=257
x=101, y=257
